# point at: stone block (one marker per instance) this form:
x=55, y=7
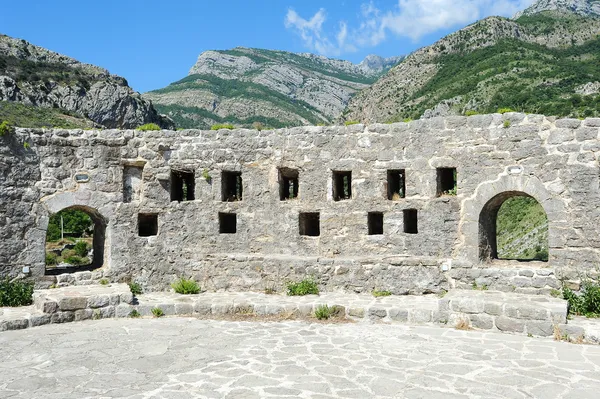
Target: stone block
x=526, y=273
x=126, y=297
x=184, y=309
x=83, y=314
x=420, y=316
x=568, y=123
x=377, y=313
x=48, y=306
x=467, y=305
x=106, y=312
x=63, y=317
x=356, y=312
x=81, y=276
x=17, y=324
x=72, y=303
x=98, y=301
x=202, y=308
x=570, y=330
x=508, y=324
x=400, y=315
x=114, y=299
x=39, y=320
x=482, y=321
x=493, y=308
x=123, y=310
x=539, y=328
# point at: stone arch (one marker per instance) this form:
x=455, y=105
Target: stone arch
x=488, y=244
x=94, y=205
x=502, y=188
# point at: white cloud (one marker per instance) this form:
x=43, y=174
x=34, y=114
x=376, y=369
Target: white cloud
x=407, y=18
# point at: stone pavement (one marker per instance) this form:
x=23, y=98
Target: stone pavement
x=190, y=358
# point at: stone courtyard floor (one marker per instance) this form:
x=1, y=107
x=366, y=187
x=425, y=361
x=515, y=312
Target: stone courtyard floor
x=192, y=358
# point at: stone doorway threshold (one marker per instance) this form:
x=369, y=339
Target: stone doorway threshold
x=534, y=315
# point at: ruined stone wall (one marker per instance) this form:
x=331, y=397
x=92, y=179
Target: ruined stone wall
x=130, y=174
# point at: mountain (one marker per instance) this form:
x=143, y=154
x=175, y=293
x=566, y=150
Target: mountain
x=245, y=86
x=39, y=87
x=584, y=8
x=541, y=62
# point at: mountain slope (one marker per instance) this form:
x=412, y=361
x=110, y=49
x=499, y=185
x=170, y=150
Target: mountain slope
x=538, y=63
x=275, y=88
x=41, y=79
x=584, y=8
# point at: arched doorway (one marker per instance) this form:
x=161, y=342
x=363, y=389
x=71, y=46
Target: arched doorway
x=513, y=226
x=75, y=240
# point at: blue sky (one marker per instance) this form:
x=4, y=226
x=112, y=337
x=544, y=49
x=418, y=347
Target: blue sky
x=153, y=43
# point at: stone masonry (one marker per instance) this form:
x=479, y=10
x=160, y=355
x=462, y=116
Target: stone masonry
x=235, y=233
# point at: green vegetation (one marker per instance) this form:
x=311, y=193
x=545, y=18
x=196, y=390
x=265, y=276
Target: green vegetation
x=324, y=312
x=15, y=114
x=186, y=287
x=506, y=124
x=349, y=123
x=587, y=303
x=157, y=312
x=222, y=126
x=103, y=281
x=377, y=294
x=5, y=128
x=15, y=293
x=75, y=222
x=504, y=110
x=304, y=287
x=471, y=113
x=134, y=314
x=522, y=229
x=81, y=248
x=148, y=126
x=515, y=75
x=135, y=288
x=482, y=287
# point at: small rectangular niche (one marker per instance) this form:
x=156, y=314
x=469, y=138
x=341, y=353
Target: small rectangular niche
x=342, y=185
x=147, y=224
x=183, y=185
x=132, y=183
x=410, y=221
x=375, y=223
x=288, y=184
x=396, y=184
x=231, y=186
x=446, y=181
x=310, y=224
x=227, y=223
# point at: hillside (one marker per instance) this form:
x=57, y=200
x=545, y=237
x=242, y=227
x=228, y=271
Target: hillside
x=543, y=62
x=244, y=86
x=54, y=90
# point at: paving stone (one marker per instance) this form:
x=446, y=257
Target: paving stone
x=539, y=328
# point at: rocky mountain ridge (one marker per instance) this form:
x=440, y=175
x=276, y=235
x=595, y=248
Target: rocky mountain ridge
x=428, y=78
x=584, y=8
x=40, y=78
x=245, y=86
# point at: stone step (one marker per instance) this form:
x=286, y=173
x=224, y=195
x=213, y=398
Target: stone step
x=511, y=312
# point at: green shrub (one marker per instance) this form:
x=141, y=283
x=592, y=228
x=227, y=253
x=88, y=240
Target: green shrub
x=157, y=312
x=51, y=258
x=407, y=120
x=135, y=288
x=103, y=281
x=26, y=145
x=15, y=293
x=504, y=110
x=75, y=260
x=186, y=287
x=304, y=287
x=587, y=303
x=324, y=312
x=471, y=113
x=349, y=123
x=5, y=128
x=81, y=248
x=134, y=314
x=148, y=126
x=377, y=294
x=222, y=126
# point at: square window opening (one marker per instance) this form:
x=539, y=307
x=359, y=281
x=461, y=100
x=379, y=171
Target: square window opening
x=147, y=224
x=288, y=184
x=375, y=223
x=410, y=221
x=396, y=184
x=231, y=186
x=342, y=185
x=183, y=185
x=310, y=224
x=227, y=223
x=446, y=181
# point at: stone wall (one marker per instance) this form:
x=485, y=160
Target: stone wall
x=131, y=172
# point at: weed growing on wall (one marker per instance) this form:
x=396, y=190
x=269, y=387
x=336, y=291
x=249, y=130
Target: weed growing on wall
x=186, y=287
x=148, y=126
x=135, y=288
x=304, y=287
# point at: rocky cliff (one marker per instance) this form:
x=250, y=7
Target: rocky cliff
x=536, y=63
x=244, y=86
x=584, y=8
x=39, y=78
